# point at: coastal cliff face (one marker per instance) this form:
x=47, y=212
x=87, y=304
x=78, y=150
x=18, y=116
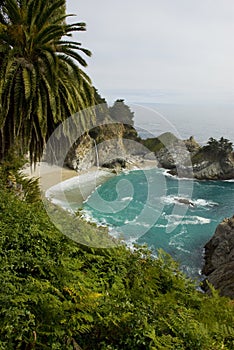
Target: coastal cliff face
x=220, y=169
x=219, y=259
x=188, y=159
x=172, y=152
x=116, y=145
x=176, y=153
x=108, y=145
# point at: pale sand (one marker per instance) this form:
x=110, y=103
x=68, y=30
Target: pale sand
x=77, y=188
x=49, y=175
x=55, y=180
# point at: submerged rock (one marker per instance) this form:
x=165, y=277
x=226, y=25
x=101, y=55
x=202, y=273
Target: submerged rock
x=219, y=259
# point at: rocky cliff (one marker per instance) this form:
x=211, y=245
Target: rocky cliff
x=188, y=159
x=173, y=153
x=219, y=259
x=111, y=145
x=218, y=168
x=116, y=144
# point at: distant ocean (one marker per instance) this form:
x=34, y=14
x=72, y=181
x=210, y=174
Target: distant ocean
x=200, y=121
x=142, y=206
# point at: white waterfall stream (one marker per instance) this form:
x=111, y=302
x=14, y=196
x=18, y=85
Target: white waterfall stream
x=96, y=150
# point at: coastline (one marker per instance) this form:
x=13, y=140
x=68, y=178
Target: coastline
x=54, y=180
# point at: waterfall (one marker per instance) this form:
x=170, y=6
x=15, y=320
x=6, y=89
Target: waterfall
x=97, y=157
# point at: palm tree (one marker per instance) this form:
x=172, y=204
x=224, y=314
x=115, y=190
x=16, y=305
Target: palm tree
x=41, y=82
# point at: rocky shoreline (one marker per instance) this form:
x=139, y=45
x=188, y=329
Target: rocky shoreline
x=117, y=145
x=219, y=259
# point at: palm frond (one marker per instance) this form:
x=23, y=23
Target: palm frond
x=41, y=83
x=13, y=11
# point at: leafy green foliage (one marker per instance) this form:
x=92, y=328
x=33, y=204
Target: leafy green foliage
x=25, y=188
x=41, y=82
x=214, y=150
x=155, y=144
x=56, y=294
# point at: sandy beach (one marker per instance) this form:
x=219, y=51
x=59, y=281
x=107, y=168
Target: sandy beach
x=57, y=182
x=49, y=175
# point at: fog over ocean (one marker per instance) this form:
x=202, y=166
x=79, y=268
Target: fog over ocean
x=201, y=121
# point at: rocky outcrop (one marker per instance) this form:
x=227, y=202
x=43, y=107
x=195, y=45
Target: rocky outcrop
x=195, y=162
x=105, y=145
x=192, y=145
x=175, y=153
x=219, y=259
x=82, y=155
x=217, y=170
x=108, y=145
x=186, y=158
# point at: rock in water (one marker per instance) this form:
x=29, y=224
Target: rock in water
x=184, y=201
x=219, y=259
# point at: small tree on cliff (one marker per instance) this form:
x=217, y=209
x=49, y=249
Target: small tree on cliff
x=121, y=113
x=218, y=148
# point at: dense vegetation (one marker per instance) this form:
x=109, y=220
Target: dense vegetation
x=214, y=150
x=55, y=294
x=218, y=148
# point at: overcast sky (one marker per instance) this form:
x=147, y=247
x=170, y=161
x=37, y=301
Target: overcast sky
x=165, y=51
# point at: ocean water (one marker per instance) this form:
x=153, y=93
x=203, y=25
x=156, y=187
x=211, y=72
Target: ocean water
x=143, y=206
x=201, y=121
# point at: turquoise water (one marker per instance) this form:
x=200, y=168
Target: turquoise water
x=143, y=207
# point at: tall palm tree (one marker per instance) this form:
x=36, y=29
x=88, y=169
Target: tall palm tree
x=41, y=82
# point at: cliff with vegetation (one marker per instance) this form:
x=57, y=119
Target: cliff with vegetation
x=187, y=158
x=55, y=293
x=106, y=145
x=112, y=143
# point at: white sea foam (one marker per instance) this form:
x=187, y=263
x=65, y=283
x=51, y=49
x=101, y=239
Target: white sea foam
x=178, y=241
x=160, y=225
x=200, y=202
x=175, y=220
x=124, y=199
x=166, y=173
x=76, y=182
x=87, y=216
